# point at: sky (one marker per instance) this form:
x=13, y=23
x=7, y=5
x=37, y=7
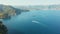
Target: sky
x=29, y=2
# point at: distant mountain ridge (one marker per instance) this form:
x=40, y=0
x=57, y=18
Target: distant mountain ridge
x=40, y=7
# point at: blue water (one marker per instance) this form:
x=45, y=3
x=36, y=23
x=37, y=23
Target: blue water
x=35, y=22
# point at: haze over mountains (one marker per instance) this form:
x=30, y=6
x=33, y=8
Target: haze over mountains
x=19, y=9
x=40, y=7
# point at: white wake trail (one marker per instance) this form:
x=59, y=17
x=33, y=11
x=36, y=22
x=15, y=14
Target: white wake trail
x=37, y=22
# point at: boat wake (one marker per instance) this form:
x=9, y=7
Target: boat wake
x=37, y=22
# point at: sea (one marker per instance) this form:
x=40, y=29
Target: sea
x=34, y=22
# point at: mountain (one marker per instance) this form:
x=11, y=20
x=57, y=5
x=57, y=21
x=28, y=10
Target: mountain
x=6, y=11
x=11, y=10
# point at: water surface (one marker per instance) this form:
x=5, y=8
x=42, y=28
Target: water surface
x=35, y=22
